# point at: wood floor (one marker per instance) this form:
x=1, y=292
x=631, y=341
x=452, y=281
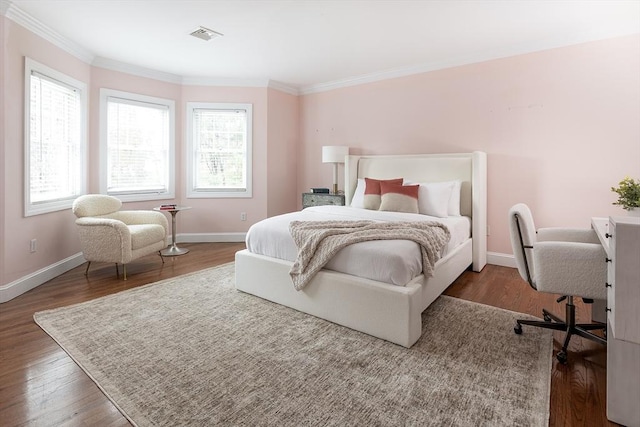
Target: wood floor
x=40, y=385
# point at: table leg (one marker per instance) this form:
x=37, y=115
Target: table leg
x=173, y=249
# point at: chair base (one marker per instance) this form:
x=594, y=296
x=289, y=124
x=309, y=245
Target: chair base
x=124, y=268
x=570, y=326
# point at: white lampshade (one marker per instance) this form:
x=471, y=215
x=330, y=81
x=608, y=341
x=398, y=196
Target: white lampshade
x=334, y=153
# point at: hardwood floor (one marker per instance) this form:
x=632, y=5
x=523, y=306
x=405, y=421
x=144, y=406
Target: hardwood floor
x=41, y=385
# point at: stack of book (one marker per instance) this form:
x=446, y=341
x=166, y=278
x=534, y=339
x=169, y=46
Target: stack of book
x=168, y=207
x=319, y=190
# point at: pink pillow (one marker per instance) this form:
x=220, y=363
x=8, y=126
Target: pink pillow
x=372, y=192
x=399, y=198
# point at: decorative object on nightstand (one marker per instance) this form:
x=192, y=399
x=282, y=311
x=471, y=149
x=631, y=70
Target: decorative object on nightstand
x=628, y=191
x=319, y=190
x=334, y=154
x=321, y=199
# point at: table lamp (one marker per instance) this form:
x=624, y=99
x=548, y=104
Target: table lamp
x=334, y=154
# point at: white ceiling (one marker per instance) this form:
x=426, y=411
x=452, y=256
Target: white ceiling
x=307, y=44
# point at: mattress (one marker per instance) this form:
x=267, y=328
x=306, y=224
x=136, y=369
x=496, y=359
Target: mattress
x=390, y=261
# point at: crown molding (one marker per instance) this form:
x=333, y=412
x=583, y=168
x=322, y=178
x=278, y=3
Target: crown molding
x=483, y=56
x=283, y=87
x=11, y=11
x=123, y=67
x=4, y=5
x=224, y=82
x=20, y=17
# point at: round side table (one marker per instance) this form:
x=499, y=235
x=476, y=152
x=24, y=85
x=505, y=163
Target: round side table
x=173, y=249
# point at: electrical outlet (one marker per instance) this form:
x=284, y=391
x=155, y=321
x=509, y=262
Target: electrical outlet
x=243, y=216
x=33, y=245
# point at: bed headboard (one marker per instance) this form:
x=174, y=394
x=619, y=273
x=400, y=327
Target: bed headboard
x=470, y=168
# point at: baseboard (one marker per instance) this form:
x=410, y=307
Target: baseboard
x=503, y=260
x=26, y=283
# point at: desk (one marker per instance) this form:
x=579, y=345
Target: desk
x=173, y=249
x=620, y=238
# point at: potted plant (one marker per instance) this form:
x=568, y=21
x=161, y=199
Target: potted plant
x=628, y=191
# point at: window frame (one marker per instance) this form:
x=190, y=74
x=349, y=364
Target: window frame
x=53, y=205
x=191, y=192
x=105, y=94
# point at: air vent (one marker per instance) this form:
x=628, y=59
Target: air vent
x=205, y=33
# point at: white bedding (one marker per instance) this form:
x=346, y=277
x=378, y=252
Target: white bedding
x=390, y=261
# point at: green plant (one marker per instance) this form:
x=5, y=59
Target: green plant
x=628, y=193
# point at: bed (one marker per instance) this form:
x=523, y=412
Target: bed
x=373, y=305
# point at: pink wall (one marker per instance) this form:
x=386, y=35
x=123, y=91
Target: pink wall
x=282, y=152
x=560, y=127
x=55, y=232
x=108, y=79
x=223, y=215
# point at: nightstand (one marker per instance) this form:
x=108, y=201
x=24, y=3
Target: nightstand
x=321, y=199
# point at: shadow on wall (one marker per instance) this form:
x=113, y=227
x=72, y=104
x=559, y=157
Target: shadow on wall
x=510, y=180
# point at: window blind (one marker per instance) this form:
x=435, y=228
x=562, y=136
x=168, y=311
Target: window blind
x=55, y=134
x=137, y=146
x=220, y=150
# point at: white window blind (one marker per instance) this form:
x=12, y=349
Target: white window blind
x=220, y=150
x=54, y=139
x=138, y=146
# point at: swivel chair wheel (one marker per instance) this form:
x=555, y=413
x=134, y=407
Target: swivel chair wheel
x=518, y=329
x=562, y=357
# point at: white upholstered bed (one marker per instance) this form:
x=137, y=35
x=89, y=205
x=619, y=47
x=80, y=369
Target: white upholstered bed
x=381, y=309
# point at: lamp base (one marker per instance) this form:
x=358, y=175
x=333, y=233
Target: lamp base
x=335, y=189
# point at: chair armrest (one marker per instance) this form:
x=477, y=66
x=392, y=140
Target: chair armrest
x=141, y=217
x=557, y=234
x=104, y=239
x=570, y=268
x=93, y=221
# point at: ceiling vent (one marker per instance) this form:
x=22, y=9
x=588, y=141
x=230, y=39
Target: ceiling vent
x=205, y=33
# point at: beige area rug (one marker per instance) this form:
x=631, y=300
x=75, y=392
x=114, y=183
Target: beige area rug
x=194, y=351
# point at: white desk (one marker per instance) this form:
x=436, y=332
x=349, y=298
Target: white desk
x=620, y=238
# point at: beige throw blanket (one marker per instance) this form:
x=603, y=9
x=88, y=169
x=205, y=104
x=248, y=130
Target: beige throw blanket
x=319, y=241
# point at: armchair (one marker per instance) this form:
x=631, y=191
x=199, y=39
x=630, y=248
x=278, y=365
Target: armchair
x=563, y=261
x=108, y=234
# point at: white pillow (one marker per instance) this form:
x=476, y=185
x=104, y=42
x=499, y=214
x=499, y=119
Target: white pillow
x=434, y=198
x=358, y=196
x=454, y=202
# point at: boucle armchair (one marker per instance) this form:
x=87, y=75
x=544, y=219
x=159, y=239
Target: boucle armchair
x=108, y=234
x=564, y=261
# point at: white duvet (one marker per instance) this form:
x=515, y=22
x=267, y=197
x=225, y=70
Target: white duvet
x=390, y=261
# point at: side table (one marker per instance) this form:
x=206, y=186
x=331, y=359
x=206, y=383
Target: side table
x=173, y=249
x=321, y=199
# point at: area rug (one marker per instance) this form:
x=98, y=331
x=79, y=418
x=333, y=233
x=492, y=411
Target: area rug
x=194, y=351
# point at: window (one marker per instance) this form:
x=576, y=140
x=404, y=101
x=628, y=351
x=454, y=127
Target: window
x=136, y=146
x=219, y=150
x=55, y=139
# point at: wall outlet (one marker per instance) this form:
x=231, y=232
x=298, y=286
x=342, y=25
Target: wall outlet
x=33, y=245
x=243, y=216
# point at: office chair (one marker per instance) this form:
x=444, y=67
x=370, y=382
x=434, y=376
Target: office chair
x=564, y=261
